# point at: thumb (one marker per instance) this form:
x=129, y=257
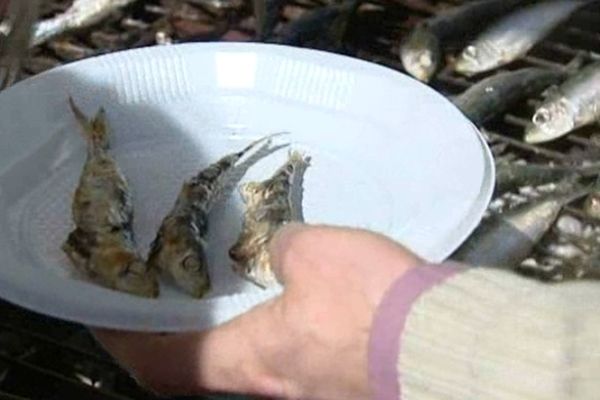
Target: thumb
x=299, y=251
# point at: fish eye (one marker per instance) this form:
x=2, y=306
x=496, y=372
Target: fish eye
x=471, y=52
x=191, y=264
x=541, y=117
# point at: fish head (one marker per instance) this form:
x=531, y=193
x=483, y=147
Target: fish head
x=190, y=272
x=251, y=257
x=116, y=267
x=420, y=54
x=476, y=58
x=178, y=251
x=552, y=120
x=135, y=278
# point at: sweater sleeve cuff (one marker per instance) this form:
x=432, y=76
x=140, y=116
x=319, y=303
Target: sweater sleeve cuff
x=389, y=321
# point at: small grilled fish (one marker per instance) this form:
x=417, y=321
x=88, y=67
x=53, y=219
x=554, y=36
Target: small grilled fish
x=574, y=104
x=269, y=205
x=510, y=176
x=326, y=26
x=179, y=247
x=514, y=35
x=494, y=95
x=23, y=15
x=505, y=240
x=421, y=53
x=102, y=245
x=82, y=14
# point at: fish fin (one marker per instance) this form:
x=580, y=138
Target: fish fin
x=95, y=130
x=301, y=163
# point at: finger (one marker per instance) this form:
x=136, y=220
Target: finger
x=221, y=359
x=297, y=248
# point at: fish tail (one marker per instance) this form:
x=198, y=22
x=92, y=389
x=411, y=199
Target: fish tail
x=240, y=163
x=95, y=130
x=265, y=141
x=300, y=163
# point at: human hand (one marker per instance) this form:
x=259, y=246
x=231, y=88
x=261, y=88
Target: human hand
x=310, y=342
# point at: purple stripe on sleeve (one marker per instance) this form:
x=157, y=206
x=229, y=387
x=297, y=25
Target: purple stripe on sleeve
x=388, y=324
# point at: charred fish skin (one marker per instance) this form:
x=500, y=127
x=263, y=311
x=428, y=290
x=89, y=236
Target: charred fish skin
x=81, y=14
x=514, y=35
x=505, y=240
x=574, y=104
x=179, y=249
x=102, y=245
x=494, y=95
x=422, y=52
x=269, y=205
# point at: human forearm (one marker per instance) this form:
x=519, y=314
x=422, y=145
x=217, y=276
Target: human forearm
x=486, y=333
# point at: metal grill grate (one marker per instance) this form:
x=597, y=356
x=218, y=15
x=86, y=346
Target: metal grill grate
x=43, y=358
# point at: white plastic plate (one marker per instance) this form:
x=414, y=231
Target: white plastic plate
x=389, y=154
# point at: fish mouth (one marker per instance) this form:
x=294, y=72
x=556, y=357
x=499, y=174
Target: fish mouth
x=422, y=65
x=421, y=74
x=548, y=124
x=465, y=67
x=535, y=134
